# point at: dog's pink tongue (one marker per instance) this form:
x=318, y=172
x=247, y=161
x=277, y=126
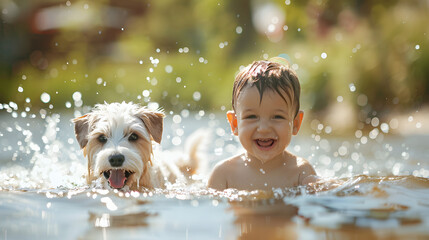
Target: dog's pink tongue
x=117, y=178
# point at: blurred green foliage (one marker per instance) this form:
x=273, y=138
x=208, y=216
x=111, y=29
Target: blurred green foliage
x=375, y=51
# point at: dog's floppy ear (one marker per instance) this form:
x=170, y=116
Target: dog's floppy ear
x=154, y=122
x=81, y=129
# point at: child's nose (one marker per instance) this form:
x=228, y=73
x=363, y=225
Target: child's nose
x=263, y=126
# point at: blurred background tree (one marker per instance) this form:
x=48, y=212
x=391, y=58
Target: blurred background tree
x=355, y=59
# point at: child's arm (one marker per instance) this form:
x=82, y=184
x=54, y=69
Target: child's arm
x=310, y=179
x=307, y=174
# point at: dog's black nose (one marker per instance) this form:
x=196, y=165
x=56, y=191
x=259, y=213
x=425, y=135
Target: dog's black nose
x=116, y=160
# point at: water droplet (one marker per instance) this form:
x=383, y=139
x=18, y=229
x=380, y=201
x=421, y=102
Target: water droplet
x=99, y=81
x=362, y=100
x=337, y=166
x=238, y=30
x=180, y=132
x=196, y=96
x=141, y=62
x=271, y=28
x=177, y=119
x=168, y=69
x=176, y=141
x=405, y=155
x=340, y=99
x=375, y=121
x=384, y=127
x=352, y=87
x=45, y=97
x=178, y=79
x=77, y=96
x=20, y=89
x=328, y=129
x=316, y=59
x=324, y=55
x=374, y=133
x=13, y=105
x=154, y=81
x=295, y=66
x=146, y=93
x=153, y=106
x=394, y=123
x=184, y=113
x=417, y=47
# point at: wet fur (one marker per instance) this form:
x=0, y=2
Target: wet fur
x=117, y=121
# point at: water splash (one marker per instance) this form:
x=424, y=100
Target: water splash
x=44, y=163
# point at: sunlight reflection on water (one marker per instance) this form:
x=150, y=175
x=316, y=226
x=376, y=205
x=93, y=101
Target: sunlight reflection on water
x=43, y=189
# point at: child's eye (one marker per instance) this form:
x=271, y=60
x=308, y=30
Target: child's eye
x=250, y=117
x=279, y=117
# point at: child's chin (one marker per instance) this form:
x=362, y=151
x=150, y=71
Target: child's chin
x=265, y=149
x=264, y=157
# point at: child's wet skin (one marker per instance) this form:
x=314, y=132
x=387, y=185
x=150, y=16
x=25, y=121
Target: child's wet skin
x=265, y=117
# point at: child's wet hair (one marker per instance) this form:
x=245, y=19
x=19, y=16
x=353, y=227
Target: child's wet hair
x=269, y=75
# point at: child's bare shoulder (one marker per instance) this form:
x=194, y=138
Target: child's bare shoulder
x=301, y=162
x=306, y=171
x=228, y=164
x=218, y=177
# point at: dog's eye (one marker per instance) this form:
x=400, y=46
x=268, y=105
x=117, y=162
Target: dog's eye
x=102, y=138
x=133, y=137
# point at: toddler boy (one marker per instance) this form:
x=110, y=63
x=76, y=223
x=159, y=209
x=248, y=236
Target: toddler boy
x=265, y=102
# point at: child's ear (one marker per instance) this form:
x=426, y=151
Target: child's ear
x=297, y=122
x=232, y=119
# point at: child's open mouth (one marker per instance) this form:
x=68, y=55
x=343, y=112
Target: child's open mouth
x=265, y=143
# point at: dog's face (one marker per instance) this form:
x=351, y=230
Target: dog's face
x=117, y=139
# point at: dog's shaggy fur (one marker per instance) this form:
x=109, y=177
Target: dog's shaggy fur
x=117, y=140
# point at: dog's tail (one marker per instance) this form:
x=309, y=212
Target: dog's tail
x=195, y=162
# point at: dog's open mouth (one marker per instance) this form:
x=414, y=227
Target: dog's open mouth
x=117, y=177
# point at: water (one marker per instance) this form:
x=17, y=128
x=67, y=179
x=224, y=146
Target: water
x=376, y=190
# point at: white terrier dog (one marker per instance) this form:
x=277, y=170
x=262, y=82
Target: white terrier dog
x=117, y=139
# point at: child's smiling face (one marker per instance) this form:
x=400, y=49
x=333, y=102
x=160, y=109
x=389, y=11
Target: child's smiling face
x=265, y=127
